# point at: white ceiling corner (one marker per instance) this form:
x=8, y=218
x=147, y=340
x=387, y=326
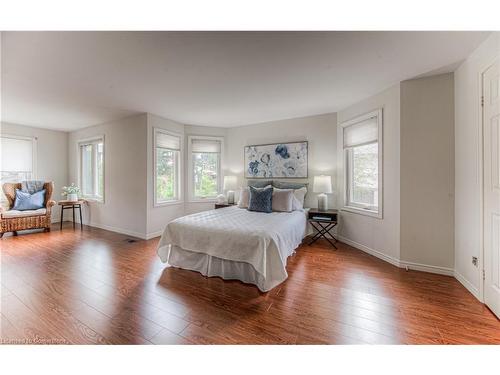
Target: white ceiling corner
x=70, y=80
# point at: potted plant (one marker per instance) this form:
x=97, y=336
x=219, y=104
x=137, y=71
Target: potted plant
x=71, y=192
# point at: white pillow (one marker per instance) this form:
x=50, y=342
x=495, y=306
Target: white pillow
x=298, y=198
x=299, y=195
x=282, y=200
x=244, y=197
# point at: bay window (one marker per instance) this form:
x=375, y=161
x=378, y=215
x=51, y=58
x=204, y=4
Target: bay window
x=362, y=148
x=204, y=167
x=167, y=166
x=91, y=154
x=18, y=159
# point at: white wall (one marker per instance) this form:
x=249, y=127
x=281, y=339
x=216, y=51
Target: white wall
x=468, y=168
x=427, y=171
x=320, y=131
x=125, y=175
x=51, y=157
x=380, y=237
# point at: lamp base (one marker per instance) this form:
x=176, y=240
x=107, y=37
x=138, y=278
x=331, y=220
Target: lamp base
x=230, y=197
x=322, y=202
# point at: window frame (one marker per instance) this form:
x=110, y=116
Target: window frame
x=34, y=141
x=94, y=141
x=348, y=205
x=192, y=197
x=179, y=167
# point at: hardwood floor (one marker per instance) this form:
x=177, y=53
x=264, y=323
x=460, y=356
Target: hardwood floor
x=93, y=286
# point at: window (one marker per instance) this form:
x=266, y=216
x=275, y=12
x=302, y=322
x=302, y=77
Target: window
x=167, y=156
x=92, y=168
x=362, y=144
x=18, y=159
x=205, y=167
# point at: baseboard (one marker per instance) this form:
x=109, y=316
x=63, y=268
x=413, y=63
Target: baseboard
x=426, y=268
x=467, y=284
x=370, y=251
x=118, y=230
x=396, y=262
x=126, y=231
x=154, y=234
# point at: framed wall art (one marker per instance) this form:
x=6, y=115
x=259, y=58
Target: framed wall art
x=277, y=160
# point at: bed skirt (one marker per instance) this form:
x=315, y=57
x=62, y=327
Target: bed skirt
x=211, y=266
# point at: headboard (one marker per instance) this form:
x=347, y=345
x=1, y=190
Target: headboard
x=277, y=184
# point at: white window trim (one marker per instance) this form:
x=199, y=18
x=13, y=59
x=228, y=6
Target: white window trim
x=34, y=141
x=192, y=198
x=378, y=113
x=97, y=138
x=180, y=198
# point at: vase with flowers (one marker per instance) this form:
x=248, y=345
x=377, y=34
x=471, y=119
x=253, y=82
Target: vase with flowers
x=71, y=192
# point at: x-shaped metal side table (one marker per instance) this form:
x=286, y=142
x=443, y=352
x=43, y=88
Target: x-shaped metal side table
x=323, y=227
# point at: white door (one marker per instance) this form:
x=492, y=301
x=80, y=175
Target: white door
x=491, y=132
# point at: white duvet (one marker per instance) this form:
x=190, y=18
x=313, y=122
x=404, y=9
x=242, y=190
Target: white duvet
x=263, y=240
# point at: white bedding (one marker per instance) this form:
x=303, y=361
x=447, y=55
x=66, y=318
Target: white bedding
x=263, y=241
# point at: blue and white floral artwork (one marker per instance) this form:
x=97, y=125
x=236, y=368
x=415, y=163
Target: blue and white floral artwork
x=281, y=160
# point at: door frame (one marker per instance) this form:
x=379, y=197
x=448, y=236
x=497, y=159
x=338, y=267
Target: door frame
x=479, y=100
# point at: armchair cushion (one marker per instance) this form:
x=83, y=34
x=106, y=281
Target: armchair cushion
x=26, y=201
x=16, y=213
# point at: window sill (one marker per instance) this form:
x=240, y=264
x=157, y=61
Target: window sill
x=207, y=200
x=93, y=200
x=362, y=211
x=168, y=203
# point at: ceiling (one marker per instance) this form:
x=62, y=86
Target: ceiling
x=70, y=80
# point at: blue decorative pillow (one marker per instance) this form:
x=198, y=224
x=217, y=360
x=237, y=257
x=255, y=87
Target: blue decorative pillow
x=27, y=201
x=261, y=200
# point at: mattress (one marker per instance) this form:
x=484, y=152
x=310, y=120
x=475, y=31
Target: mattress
x=234, y=243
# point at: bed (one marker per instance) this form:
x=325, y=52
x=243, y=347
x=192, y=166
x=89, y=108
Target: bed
x=234, y=243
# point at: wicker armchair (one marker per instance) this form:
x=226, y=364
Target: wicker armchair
x=12, y=221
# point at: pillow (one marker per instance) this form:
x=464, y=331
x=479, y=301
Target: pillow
x=297, y=198
x=244, y=197
x=259, y=183
x=289, y=185
x=282, y=200
x=260, y=199
x=298, y=201
x=300, y=194
x=26, y=201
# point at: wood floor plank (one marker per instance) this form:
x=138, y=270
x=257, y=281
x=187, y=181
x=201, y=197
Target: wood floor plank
x=34, y=328
x=166, y=337
x=54, y=314
x=93, y=286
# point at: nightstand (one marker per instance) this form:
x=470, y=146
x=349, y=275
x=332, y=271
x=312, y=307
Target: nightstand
x=222, y=205
x=323, y=222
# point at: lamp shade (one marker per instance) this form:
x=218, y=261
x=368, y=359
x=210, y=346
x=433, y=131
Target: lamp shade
x=229, y=182
x=322, y=184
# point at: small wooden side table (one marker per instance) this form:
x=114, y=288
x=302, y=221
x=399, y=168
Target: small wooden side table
x=68, y=205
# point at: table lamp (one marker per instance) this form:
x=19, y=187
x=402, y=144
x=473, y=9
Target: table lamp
x=322, y=185
x=230, y=185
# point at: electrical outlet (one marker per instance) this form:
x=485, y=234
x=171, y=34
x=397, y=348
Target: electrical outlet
x=474, y=261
